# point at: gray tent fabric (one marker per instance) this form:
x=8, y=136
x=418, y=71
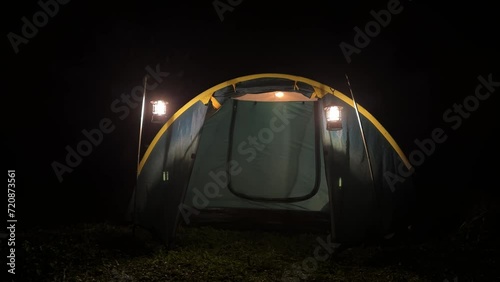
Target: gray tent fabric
x=221, y=153
x=283, y=158
x=162, y=181
x=354, y=193
x=265, y=171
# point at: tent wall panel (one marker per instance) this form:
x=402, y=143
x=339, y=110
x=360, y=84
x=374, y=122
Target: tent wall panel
x=166, y=174
x=361, y=207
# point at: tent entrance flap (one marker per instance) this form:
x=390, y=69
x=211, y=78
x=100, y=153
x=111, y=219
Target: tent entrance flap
x=276, y=146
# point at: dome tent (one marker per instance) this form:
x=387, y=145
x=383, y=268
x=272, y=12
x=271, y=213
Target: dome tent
x=257, y=149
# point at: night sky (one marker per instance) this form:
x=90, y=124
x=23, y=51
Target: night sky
x=66, y=78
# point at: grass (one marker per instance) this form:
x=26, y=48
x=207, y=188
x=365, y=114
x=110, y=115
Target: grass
x=108, y=252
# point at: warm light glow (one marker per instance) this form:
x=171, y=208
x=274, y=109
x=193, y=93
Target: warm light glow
x=159, y=108
x=333, y=113
x=276, y=96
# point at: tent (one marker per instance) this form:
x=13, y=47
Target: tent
x=258, y=149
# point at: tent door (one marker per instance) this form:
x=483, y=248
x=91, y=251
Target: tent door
x=284, y=164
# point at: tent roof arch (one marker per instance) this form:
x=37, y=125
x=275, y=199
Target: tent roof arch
x=319, y=90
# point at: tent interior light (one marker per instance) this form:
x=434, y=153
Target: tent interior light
x=275, y=96
x=159, y=108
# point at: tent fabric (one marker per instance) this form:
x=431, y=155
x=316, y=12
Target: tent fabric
x=271, y=156
x=264, y=170
x=163, y=179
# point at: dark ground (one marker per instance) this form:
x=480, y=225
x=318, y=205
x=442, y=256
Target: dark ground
x=112, y=252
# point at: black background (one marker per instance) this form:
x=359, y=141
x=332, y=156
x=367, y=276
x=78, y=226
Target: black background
x=65, y=79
